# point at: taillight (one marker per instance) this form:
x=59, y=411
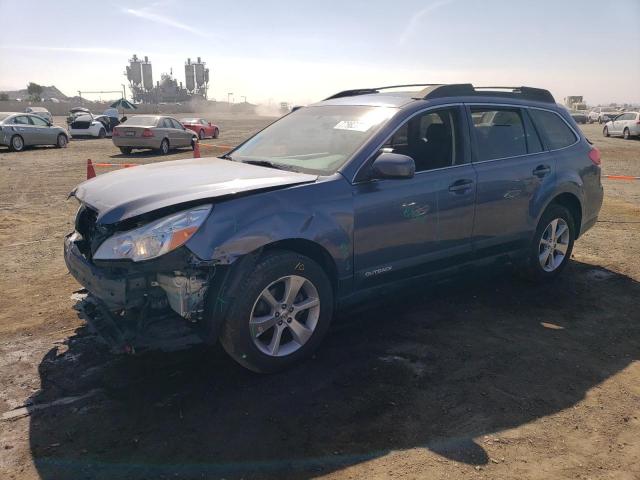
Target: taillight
x=147, y=132
x=116, y=132
x=594, y=155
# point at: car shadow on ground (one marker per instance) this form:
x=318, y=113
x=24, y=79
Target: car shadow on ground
x=429, y=368
x=151, y=153
x=4, y=149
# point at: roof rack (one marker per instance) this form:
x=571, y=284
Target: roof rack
x=468, y=90
x=368, y=91
x=438, y=90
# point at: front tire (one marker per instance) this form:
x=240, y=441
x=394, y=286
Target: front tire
x=201, y=134
x=16, y=144
x=216, y=133
x=605, y=131
x=280, y=313
x=552, y=244
x=102, y=133
x=62, y=141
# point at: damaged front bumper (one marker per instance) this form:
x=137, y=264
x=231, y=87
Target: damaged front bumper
x=132, y=305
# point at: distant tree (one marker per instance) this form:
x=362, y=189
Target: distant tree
x=4, y=97
x=35, y=91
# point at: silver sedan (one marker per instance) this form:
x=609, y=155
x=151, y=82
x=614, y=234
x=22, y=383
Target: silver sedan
x=20, y=130
x=154, y=132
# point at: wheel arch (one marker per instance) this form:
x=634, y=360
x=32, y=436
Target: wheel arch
x=572, y=203
x=311, y=249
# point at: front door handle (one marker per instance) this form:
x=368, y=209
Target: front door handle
x=541, y=170
x=461, y=186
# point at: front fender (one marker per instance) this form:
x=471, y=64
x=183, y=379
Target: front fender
x=321, y=213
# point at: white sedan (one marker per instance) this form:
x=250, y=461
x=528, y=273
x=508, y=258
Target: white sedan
x=626, y=125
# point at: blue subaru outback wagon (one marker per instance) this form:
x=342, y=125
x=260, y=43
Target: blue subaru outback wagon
x=326, y=206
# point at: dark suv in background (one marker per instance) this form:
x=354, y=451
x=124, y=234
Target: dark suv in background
x=330, y=204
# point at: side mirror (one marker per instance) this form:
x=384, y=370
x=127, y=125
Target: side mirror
x=210, y=124
x=393, y=165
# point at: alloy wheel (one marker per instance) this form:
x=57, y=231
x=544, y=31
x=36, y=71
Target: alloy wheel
x=554, y=244
x=17, y=143
x=284, y=316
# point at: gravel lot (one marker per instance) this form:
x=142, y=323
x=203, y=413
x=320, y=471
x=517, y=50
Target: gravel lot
x=490, y=377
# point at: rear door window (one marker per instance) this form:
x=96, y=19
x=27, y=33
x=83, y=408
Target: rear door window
x=38, y=122
x=555, y=132
x=499, y=132
x=176, y=124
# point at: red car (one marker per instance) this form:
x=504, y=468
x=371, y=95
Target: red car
x=203, y=128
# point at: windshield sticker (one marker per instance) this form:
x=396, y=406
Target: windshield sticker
x=354, y=125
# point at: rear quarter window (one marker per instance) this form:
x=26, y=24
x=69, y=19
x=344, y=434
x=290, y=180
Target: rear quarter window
x=554, y=130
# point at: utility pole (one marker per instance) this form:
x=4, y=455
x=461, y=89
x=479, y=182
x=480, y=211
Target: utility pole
x=245, y=99
x=124, y=92
x=229, y=97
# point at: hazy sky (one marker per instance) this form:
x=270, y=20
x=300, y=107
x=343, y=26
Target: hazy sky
x=302, y=51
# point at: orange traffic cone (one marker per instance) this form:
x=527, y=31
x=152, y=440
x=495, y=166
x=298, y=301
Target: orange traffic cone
x=196, y=149
x=91, y=172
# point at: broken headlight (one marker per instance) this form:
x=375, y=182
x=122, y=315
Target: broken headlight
x=154, y=239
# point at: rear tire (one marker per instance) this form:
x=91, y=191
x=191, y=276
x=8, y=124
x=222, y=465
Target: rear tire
x=280, y=312
x=164, y=147
x=626, y=134
x=16, y=144
x=552, y=244
x=62, y=141
x=605, y=131
x=125, y=150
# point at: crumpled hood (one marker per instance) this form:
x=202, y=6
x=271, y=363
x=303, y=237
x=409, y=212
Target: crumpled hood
x=133, y=191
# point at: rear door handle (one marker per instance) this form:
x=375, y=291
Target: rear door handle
x=461, y=186
x=541, y=170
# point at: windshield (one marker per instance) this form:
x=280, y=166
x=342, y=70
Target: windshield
x=143, y=121
x=317, y=139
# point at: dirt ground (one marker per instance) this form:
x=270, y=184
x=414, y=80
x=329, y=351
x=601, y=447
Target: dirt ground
x=490, y=377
